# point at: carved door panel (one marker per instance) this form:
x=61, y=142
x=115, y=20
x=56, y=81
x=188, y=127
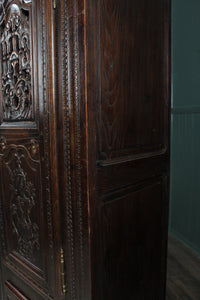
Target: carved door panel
x=28, y=197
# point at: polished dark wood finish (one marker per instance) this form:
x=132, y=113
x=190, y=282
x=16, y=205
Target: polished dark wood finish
x=183, y=272
x=84, y=148
x=30, y=228
x=127, y=44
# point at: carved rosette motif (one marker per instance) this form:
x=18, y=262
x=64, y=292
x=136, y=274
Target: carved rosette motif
x=16, y=65
x=3, y=144
x=22, y=201
x=33, y=148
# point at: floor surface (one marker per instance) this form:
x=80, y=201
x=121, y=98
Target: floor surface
x=183, y=276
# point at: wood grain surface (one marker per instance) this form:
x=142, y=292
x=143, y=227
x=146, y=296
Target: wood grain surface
x=84, y=149
x=183, y=272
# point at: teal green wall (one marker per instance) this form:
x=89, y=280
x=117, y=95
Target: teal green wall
x=185, y=130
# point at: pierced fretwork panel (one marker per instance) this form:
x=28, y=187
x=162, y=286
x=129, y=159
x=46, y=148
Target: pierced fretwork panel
x=17, y=98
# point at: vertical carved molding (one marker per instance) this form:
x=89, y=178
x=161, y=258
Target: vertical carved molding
x=15, y=42
x=2, y=229
x=46, y=131
x=77, y=114
x=71, y=285
x=75, y=203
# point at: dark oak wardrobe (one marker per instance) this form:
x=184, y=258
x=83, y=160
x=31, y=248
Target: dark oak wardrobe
x=84, y=149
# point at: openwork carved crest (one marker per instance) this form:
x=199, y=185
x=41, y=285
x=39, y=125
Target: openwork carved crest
x=22, y=201
x=16, y=65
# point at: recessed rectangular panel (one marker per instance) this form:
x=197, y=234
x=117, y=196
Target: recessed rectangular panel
x=132, y=58
x=16, y=51
x=23, y=208
x=131, y=228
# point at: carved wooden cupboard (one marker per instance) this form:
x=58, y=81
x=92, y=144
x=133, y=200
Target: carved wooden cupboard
x=84, y=149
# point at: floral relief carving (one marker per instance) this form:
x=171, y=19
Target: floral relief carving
x=16, y=65
x=3, y=144
x=22, y=201
x=33, y=147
